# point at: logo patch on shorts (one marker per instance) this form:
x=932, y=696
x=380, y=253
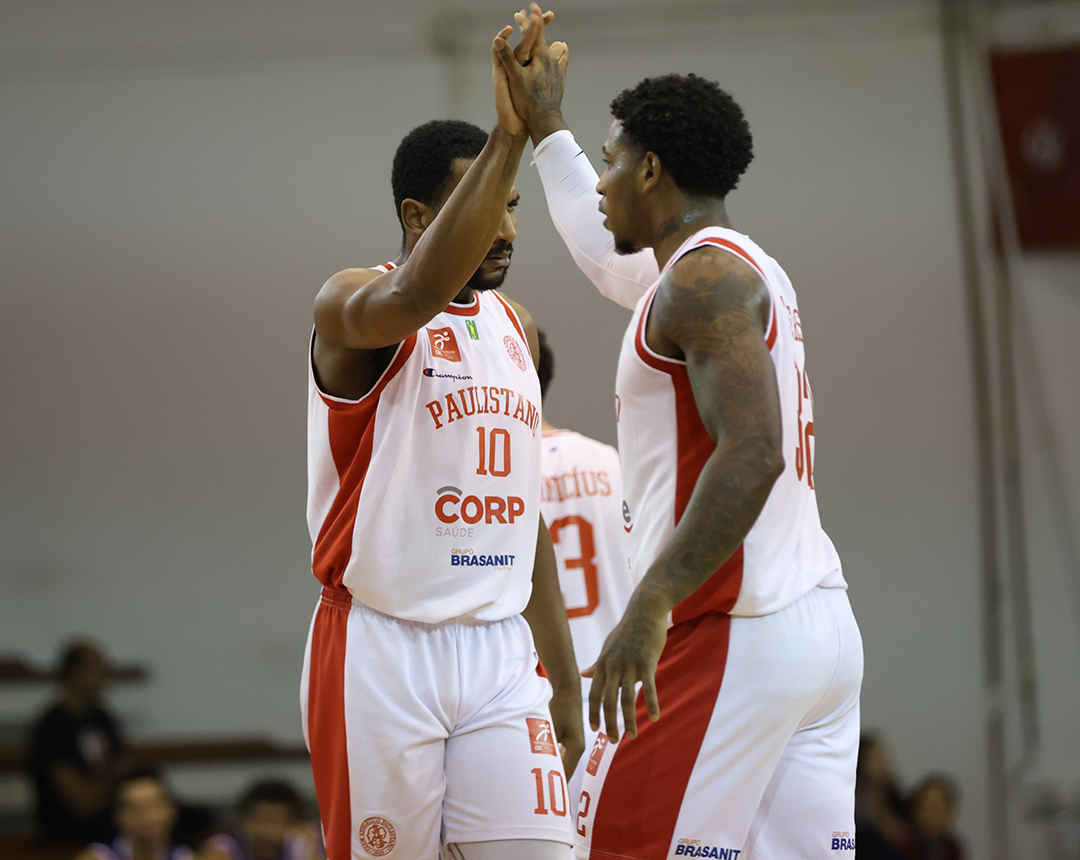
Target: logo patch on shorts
x=597, y=753
x=514, y=350
x=541, y=738
x=377, y=836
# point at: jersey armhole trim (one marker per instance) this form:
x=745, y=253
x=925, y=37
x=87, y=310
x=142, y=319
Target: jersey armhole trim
x=401, y=355
x=510, y=312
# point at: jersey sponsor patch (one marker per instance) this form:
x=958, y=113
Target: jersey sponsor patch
x=377, y=836
x=444, y=344
x=514, y=350
x=541, y=738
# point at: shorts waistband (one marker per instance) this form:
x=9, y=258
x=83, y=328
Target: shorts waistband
x=337, y=598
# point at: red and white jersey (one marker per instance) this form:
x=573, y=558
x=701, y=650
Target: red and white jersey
x=581, y=498
x=423, y=496
x=664, y=446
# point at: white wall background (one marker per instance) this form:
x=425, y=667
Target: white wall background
x=178, y=179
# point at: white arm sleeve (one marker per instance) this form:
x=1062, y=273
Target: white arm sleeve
x=570, y=187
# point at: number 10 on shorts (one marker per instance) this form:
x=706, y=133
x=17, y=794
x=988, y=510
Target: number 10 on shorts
x=550, y=792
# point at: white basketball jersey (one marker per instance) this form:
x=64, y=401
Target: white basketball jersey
x=664, y=446
x=581, y=498
x=423, y=495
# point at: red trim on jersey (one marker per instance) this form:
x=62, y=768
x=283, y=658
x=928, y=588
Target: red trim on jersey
x=465, y=310
x=326, y=721
x=351, y=428
x=694, y=446
x=630, y=821
x=770, y=333
x=510, y=312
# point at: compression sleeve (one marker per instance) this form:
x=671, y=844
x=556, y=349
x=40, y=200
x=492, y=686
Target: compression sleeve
x=570, y=187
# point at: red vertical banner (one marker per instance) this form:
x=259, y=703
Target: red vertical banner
x=1038, y=102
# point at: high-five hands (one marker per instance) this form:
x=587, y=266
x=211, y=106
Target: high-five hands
x=534, y=72
x=512, y=120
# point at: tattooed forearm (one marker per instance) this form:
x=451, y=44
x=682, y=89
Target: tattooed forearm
x=712, y=309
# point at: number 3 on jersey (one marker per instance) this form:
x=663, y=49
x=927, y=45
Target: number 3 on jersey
x=586, y=562
x=804, y=451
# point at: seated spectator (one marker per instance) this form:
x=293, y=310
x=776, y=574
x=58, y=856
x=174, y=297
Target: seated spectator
x=77, y=753
x=145, y=814
x=880, y=808
x=934, y=805
x=270, y=827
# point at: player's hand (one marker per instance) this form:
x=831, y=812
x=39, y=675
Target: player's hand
x=630, y=654
x=566, y=720
x=535, y=71
x=512, y=120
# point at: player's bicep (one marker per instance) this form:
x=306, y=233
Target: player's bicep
x=713, y=310
x=365, y=309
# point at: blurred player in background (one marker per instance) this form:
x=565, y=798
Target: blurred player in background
x=581, y=499
x=743, y=741
x=427, y=721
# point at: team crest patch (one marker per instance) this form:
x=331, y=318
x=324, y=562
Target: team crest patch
x=596, y=754
x=514, y=350
x=541, y=738
x=377, y=836
x=444, y=344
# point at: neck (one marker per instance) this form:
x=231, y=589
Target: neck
x=691, y=214
x=76, y=702
x=145, y=850
x=547, y=425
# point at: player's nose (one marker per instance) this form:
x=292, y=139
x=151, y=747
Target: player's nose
x=507, y=230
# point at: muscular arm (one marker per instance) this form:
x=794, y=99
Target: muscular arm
x=358, y=309
x=711, y=310
x=546, y=614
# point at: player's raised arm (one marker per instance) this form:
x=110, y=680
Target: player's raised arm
x=537, y=82
x=358, y=309
x=710, y=309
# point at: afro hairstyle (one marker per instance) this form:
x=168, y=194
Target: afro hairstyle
x=424, y=161
x=694, y=127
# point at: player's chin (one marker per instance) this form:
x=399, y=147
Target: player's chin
x=487, y=278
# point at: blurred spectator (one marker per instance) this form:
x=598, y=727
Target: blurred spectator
x=880, y=809
x=934, y=805
x=77, y=753
x=145, y=815
x=270, y=827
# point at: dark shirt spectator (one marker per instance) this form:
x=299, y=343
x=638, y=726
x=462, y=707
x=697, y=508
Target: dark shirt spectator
x=76, y=753
x=880, y=807
x=934, y=805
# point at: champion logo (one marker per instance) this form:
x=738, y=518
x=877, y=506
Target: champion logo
x=514, y=350
x=377, y=836
x=541, y=738
x=432, y=373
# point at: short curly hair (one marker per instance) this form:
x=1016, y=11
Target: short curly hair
x=694, y=127
x=425, y=158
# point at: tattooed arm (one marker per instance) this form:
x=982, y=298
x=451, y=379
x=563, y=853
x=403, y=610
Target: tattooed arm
x=711, y=309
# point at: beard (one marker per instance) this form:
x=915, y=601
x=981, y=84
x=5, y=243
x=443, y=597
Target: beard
x=482, y=281
x=625, y=249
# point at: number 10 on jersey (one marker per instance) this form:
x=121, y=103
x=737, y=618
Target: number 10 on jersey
x=494, y=452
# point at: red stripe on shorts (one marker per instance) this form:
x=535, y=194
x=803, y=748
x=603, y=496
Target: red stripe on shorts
x=643, y=791
x=326, y=723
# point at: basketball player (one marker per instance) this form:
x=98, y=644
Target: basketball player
x=427, y=720
x=581, y=500
x=743, y=741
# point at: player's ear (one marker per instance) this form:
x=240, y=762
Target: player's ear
x=416, y=217
x=649, y=171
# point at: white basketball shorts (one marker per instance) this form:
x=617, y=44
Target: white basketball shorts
x=753, y=757
x=424, y=734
